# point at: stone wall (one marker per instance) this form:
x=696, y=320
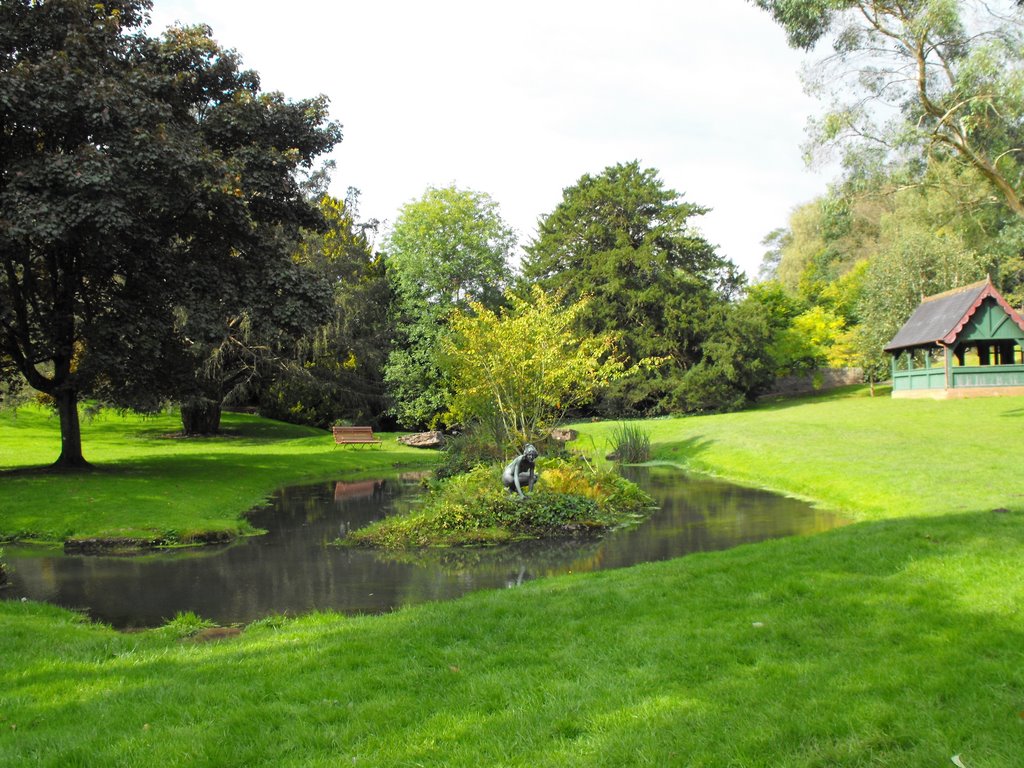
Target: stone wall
x=822, y=379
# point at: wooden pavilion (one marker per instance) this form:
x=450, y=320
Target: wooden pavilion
x=966, y=342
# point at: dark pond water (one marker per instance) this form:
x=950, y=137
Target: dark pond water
x=293, y=569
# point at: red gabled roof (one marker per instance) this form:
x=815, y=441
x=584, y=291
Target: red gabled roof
x=940, y=318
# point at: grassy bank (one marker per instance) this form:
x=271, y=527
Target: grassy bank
x=893, y=642
x=870, y=458
x=151, y=484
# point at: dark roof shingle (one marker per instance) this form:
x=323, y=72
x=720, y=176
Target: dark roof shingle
x=941, y=318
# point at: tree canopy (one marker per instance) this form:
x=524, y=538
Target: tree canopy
x=518, y=370
x=926, y=77
x=859, y=259
x=626, y=241
x=446, y=250
x=924, y=101
x=130, y=167
x=336, y=372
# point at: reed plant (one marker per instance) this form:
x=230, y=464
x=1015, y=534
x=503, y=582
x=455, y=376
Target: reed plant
x=630, y=443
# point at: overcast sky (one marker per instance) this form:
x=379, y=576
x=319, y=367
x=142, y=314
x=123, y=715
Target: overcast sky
x=520, y=99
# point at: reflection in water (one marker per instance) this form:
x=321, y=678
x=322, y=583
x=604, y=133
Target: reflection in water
x=292, y=569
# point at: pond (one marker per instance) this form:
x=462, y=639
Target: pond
x=294, y=568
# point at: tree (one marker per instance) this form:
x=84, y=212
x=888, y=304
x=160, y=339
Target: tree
x=936, y=77
x=518, y=370
x=131, y=167
x=446, y=250
x=775, y=241
x=337, y=372
x=917, y=262
x=825, y=240
x=736, y=362
x=13, y=391
x=625, y=240
x=247, y=326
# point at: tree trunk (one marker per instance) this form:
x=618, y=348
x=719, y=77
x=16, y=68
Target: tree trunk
x=70, y=430
x=200, y=416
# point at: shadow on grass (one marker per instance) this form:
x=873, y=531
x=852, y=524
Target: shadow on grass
x=892, y=643
x=235, y=427
x=48, y=470
x=851, y=392
x=680, y=451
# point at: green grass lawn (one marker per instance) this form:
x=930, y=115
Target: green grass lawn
x=150, y=484
x=896, y=641
x=868, y=457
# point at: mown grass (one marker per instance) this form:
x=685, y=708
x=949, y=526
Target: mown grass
x=896, y=641
x=149, y=484
x=867, y=457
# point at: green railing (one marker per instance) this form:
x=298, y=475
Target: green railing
x=920, y=378
x=964, y=377
x=988, y=376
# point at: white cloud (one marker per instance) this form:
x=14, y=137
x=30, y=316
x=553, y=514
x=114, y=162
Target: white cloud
x=519, y=100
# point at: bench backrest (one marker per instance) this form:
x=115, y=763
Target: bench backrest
x=348, y=433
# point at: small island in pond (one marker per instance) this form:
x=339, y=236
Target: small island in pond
x=474, y=508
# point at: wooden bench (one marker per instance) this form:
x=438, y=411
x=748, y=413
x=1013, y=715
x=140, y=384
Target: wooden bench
x=354, y=436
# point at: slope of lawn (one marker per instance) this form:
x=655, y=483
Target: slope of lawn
x=895, y=641
x=868, y=457
x=151, y=484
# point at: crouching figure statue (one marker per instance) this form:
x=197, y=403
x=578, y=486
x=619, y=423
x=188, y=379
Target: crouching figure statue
x=520, y=471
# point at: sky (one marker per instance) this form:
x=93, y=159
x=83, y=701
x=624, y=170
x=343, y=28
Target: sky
x=519, y=100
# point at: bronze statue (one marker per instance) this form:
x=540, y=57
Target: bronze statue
x=520, y=471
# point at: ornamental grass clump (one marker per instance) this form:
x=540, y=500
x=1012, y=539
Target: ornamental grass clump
x=475, y=509
x=186, y=624
x=630, y=444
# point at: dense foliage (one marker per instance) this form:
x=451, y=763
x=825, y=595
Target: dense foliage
x=336, y=372
x=162, y=238
x=515, y=373
x=626, y=241
x=931, y=188
x=854, y=264
x=447, y=249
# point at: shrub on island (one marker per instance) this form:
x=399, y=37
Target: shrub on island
x=474, y=509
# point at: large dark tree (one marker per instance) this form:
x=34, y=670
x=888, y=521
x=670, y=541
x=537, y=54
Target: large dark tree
x=246, y=328
x=143, y=183
x=624, y=239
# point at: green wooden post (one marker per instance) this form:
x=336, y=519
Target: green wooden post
x=949, y=367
